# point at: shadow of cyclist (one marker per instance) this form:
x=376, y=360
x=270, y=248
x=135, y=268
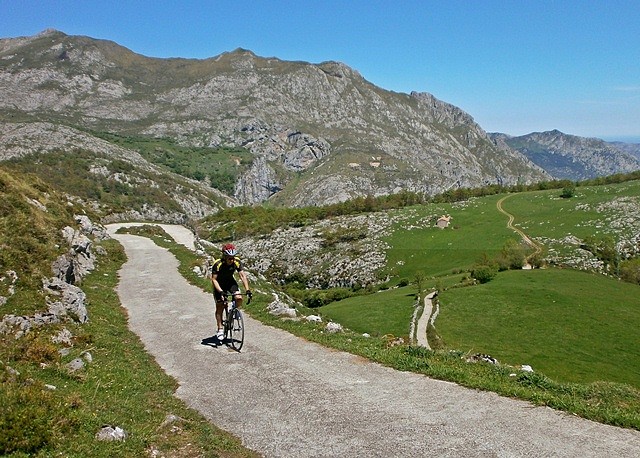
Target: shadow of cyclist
x=212, y=341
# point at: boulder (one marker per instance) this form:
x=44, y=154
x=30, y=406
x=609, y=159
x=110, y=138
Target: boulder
x=69, y=300
x=333, y=328
x=111, y=433
x=279, y=308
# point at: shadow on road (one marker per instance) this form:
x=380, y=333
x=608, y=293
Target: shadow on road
x=212, y=341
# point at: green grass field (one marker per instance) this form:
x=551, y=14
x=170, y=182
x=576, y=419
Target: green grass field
x=593, y=210
x=570, y=325
x=386, y=312
x=476, y=228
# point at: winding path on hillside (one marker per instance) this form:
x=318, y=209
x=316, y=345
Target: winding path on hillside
x=299, y=399
x=423, y=321
x=537, y=249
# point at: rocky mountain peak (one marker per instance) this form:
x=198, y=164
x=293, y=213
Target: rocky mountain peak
x=318, y=133
x=572, y=157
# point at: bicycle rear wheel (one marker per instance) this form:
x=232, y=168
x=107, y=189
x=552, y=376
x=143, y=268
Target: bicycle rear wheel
x=236, y=329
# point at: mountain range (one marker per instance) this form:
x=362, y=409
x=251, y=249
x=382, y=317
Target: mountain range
x=242, y=129
x=574, y=158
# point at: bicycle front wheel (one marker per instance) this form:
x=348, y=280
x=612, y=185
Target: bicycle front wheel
x=236, y=329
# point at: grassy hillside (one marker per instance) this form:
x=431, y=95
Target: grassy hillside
x=570, y=325
x=219, y=167
x=476, y=228
x=587, y=334
x=379, y=314
x=611, y=210
x=32, y=215
x=49, y=409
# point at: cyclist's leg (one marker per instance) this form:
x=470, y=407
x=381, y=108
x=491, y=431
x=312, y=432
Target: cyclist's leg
x=220, y=305
x=235, y=290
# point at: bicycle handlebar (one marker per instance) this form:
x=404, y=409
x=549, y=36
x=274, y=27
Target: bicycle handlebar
x=226, y=295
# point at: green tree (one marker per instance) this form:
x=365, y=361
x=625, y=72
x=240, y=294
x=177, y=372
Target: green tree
x=512, y=255
x=419, y=280
x=485, y=269
x=604, y=248
x=568, y=192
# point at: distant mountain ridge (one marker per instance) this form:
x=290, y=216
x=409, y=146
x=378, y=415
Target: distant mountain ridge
x=318, y=133
x=575, y=158
x=631, y=148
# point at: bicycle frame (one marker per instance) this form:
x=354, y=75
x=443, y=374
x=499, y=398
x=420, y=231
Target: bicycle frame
x=233, y=323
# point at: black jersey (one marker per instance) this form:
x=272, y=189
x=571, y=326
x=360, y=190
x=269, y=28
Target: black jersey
x=224, y=271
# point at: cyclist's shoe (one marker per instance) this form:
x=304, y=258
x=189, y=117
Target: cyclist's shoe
x=220, y=335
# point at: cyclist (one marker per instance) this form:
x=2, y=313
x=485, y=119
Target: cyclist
x=224, y=282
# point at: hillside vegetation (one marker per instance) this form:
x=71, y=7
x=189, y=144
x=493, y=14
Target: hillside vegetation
x=48, y=407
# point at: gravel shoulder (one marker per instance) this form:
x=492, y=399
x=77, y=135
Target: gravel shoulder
x=286, y=397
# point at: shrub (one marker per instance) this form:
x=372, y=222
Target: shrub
x=25, y=418
x=568, y=192
x=484, y=273
x=604, y=248
x=317, y=298
x=536, y=260
x=630, y=270
x=512, y=255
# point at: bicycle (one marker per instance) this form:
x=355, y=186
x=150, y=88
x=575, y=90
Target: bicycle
x=233, y=322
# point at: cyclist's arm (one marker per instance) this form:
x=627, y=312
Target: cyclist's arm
x=214, y=282
x=244, y=279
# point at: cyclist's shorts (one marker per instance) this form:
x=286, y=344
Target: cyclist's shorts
x=233, y=288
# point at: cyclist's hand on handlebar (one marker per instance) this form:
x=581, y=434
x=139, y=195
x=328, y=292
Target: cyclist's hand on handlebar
x=249, y=296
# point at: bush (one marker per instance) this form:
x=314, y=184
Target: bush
x=25, y=418
x=630, y=270
x=537, y=260
x=603, y=247
x=318, y=298
x=484, y=273
x=568, y=192
x=512, y=255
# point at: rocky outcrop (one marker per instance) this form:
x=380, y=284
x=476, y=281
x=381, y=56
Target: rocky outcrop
x=347, y=251
x=64, y=298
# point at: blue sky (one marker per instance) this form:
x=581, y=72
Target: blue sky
x=515, y=66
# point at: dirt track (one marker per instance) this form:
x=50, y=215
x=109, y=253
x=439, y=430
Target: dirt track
x=298, y=399
x=536, y=248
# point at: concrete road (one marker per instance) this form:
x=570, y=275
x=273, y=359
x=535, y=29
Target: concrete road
x=286, y=397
